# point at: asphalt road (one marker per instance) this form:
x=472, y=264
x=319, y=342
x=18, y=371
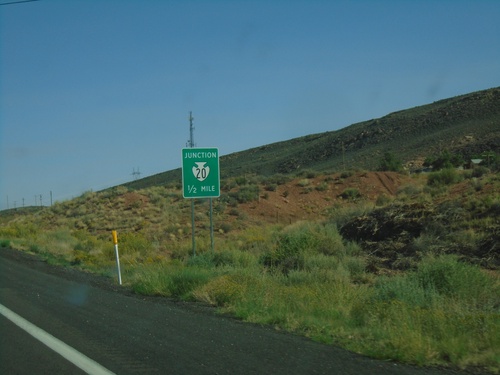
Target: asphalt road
x=128, y=334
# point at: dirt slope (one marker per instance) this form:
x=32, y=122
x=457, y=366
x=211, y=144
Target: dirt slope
x=309, y=198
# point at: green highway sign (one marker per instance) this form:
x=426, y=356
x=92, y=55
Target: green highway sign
x=200, y=173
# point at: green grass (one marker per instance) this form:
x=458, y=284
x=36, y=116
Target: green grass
x=445, y=311
x=305, y=277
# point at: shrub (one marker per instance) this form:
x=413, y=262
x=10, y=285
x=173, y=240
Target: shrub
x=201, y=260
x=4, y=243
x=241, y=180
x=480, y=171
x=225, y=227
x=222, y=259
x=222, y=290
x=219, y=206
x=185, y=281
x=299, y=240
x=382, y=200
x=322, y=186
x=310, y=174
x=174, y=281
x=390, y=162
x=285, y=258
x=350, y=194
x=346, y=174
x=85, y=241
x=306, y=172
x=476, y=184
x=20, y=230
x=33, y=248
x=430, y=242
x=228, y=200
x=445, y=160
x=131, y=243
x=246, y=193
x=271, y=187
x=59, y=243
x=492, y=205
x=289, y=251
x=281, y=179
x=447, y=176
x=82, y=257
x=320, y=262
x=452, y=278
x=277, y=179
x=228, y=185
x=305, y=182
x=341, y=215
x=409, y=190
x=437, y=278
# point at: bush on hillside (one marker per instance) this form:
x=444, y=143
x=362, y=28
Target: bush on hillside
x=447, y=176
x=246, y=193
x=445, y=160
x=390, y=162
x=299, y=240
x=350, y=194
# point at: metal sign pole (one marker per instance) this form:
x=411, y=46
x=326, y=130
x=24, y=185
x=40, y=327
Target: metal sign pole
x=211, y=226
x=192, y=228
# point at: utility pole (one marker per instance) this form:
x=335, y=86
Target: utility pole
x=51, y=198
x=488, y=156
x=343, y=156
x=41, y=203
x=135, y=173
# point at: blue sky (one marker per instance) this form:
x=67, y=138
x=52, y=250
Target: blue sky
x=92, y=90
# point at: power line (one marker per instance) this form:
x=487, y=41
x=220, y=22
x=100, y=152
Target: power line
x=18, y=2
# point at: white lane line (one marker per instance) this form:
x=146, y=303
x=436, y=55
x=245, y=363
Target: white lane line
x=74, y=356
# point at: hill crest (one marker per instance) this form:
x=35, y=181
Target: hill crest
x=466, y=124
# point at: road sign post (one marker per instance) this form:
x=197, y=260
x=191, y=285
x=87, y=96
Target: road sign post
x=200, y=179
x=200, y=173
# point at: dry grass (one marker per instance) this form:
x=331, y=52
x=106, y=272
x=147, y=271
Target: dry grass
x=304, y=277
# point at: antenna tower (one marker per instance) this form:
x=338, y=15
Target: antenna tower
x=190, y=142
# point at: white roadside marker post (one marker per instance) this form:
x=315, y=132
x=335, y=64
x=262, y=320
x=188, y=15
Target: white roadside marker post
x=115, y=242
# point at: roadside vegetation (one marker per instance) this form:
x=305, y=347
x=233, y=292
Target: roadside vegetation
x=410, y=276
x=391, y=265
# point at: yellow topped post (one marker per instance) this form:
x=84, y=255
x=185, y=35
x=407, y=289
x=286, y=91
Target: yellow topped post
x=115, y=242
